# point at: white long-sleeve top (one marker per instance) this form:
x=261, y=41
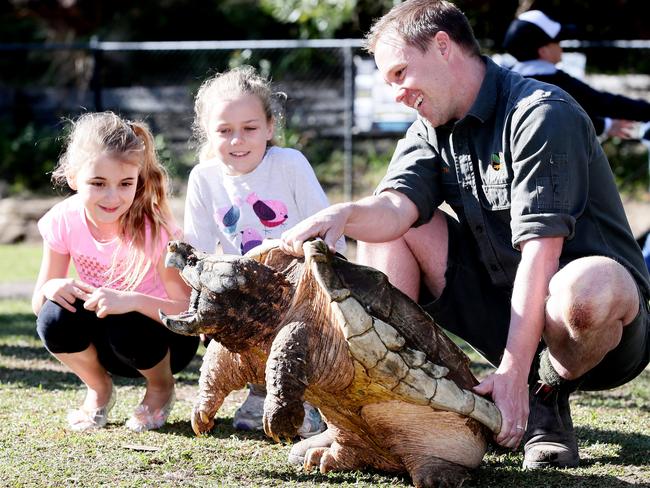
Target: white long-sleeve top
x=238, y=212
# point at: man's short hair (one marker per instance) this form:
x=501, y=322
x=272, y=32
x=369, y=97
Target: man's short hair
x=418, y=21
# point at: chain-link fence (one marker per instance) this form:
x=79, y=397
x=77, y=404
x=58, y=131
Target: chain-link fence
x=157, y=82
x=330, y=114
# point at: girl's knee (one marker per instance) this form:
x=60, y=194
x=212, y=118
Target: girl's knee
x=53, y=325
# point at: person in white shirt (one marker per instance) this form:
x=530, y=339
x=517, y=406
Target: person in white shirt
x=246, y=189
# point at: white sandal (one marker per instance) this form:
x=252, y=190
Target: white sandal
x=82, y=419
x=143, y=419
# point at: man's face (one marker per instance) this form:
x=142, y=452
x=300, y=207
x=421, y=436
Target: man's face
x=420, y=80
x=551, y=52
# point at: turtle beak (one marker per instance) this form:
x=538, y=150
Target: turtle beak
x=185, y=323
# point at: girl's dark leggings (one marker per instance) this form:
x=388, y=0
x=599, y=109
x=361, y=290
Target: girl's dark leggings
x=125, y=343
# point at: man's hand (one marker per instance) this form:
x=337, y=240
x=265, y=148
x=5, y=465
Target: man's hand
x=509, y=391
x=329, y=224
x=105, y=301
x=65, y=291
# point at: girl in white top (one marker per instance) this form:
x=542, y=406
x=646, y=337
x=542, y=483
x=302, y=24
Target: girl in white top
x=114, y=229
x=245, y=189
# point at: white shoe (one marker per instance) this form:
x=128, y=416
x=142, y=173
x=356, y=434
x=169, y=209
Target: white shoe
x=249, y=415
x=143, y=419
x=81, y=419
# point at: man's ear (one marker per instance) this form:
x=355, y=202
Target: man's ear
x=442, y=43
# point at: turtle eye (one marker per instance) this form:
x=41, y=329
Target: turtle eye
x=192, y=260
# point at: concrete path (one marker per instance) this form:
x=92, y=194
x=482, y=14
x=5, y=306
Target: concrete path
x=21, y=290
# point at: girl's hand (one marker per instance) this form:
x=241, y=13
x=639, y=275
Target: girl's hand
x=106, y=301
x=65, y=291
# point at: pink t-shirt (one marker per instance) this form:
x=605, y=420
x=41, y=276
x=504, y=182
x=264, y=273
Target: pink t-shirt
x=65, y=230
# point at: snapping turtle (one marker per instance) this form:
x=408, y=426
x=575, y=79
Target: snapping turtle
x=393, y=388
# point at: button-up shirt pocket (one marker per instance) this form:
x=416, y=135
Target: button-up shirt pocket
x=495, y=183
x=552, y=189
x=497, y=197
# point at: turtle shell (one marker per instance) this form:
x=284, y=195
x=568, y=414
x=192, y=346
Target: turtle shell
x=394, y=340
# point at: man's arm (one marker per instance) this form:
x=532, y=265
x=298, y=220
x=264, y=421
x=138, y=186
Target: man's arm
x=602, y=103
x=508, y=385
x=378, y=218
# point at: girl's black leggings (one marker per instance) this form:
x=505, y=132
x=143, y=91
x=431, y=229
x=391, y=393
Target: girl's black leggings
x=125, y=343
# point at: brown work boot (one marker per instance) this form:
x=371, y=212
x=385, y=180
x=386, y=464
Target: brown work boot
x=550, y=441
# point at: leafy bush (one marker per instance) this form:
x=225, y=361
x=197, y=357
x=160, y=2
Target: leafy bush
x=630, y=164
x=27, y=156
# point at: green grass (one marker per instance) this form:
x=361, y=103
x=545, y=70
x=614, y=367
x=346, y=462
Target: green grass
x=36, y=450
x=19, y=262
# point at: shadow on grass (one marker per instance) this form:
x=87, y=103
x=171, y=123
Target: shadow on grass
x=485, y=476
x=28, y=353
x=49, y=379
x=634, y=447
x=17, y=324
x=222, y=430
x=515, y=476
x=334, y=478
x=39, y=378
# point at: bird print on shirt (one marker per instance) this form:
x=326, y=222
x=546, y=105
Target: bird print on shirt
x=228, y=217
x=250, y=238
x=270, y=212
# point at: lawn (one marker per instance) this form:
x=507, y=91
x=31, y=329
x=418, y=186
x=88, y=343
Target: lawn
x=19, y=262
x=36, y=450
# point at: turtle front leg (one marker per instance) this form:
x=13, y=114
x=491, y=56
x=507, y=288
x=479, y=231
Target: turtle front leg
x=221, y=373
x=286, y=381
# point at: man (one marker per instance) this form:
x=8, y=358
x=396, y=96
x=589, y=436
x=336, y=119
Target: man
x=541, y=249
x=533, y=38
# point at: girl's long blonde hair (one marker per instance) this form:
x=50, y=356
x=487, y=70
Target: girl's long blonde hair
x=105, y=133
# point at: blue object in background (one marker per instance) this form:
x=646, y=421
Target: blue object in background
x=646, y=251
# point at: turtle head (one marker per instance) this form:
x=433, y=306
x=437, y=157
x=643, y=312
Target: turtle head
x=236, y=300
x=180, y=254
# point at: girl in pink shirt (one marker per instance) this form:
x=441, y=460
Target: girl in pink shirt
x=114, y=229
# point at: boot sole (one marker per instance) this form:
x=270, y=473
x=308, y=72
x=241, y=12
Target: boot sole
x=532, y=465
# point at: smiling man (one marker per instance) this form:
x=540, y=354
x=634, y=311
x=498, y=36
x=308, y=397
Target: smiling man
x=540, y=271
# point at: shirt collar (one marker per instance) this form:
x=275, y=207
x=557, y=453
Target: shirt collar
x=486, y=100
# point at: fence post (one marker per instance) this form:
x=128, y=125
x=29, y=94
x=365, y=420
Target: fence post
x=348, y=121
x=96, y=78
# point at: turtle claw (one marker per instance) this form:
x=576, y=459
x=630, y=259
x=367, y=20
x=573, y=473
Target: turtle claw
x=202, y=423
x=273, y=435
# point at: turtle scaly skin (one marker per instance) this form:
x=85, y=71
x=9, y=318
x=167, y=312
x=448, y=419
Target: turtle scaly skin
x=393, y=388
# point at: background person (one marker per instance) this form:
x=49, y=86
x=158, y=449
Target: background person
x=533, y=38
x=541, y=259
x=115, y=230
